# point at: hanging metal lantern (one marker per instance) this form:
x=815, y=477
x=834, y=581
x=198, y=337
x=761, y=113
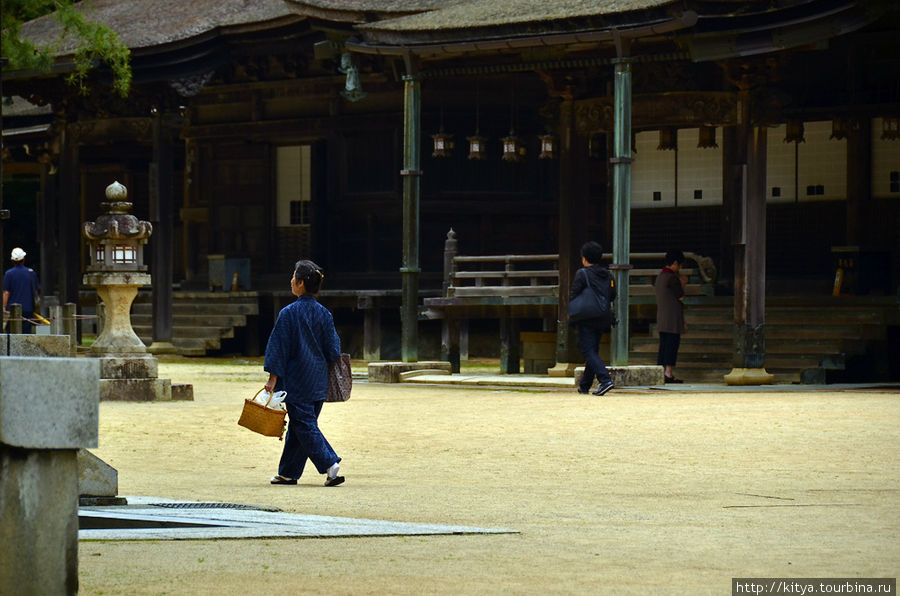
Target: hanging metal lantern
x=548, y=147
x=477, y=146
x=443, y=144
x=794, y=131
x=707, y=138
x=668, y=139
x=513, y=149
x=839, y=129
x=889, y=129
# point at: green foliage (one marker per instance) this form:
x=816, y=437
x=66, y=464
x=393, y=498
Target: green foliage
x=96, y=43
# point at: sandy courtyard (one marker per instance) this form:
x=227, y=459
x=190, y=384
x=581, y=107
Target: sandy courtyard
x=637, y=492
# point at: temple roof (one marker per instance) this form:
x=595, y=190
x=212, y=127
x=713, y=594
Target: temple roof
x=142, y=24
x=493, y=13
x=150, y=26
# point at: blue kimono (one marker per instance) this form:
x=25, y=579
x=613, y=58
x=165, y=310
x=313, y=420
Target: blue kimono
x=300, y=347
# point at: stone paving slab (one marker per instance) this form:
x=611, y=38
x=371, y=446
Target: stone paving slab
x=166, y=523
x=524, y=381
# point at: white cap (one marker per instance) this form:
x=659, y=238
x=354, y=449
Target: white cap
x=17, y=254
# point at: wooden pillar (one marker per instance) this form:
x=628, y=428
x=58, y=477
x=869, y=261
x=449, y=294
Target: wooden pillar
x=409, y=309
x=161, y=205
x=509, y=344
x=746, y=183
x=450, y=344
x=47, y=225
x=573, y=192
x=69, y=230
x=450, y=351
x=371, y=327
x=859, y=179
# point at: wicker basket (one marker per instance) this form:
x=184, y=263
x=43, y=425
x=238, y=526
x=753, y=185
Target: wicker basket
x=262, y=420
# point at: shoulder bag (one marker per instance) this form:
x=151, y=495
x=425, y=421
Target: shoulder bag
x=589, y=304
x=340, y=379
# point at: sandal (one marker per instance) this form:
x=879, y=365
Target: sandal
x=279, y=479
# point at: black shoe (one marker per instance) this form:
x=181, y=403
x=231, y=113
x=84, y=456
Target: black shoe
x=604, y=388
x=673, y=380
x=279, y=479
x=334, y=481
x=584, y=391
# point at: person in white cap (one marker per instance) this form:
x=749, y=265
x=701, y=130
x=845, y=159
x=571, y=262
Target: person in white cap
x=20, y=286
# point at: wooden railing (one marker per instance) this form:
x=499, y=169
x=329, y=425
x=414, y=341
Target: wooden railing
x=538, y=275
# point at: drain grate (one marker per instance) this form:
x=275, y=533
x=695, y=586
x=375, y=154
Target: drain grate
x=214, y=506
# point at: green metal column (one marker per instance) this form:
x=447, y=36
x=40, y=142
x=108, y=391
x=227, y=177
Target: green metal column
x=409, y=309
x=621, y=163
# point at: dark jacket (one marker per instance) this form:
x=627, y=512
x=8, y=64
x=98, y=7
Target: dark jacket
x=601, y=280
x=301, y=345
x=669, y=309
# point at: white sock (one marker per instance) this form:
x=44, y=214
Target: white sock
x=334, y=469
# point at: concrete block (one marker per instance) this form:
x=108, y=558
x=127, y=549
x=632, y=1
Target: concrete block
x=39, y=521
x=411, y=374
x=96, y=478
x=134, y=367
x=36, y=345
x=564, y=369
x=49, y=403
x=638, y=375
x=389, y=372
x=182, y=392
x=135, y=389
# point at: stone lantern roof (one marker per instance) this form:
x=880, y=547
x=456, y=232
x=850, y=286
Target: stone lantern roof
x=117, y=223
x=117, y=228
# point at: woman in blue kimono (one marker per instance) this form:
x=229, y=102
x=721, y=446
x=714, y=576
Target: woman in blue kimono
x=300, y=347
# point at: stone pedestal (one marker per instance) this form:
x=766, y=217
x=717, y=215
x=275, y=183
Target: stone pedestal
x=48, y=410
x=749, y=376
x=562, y=369
x=389, y=372
x=127, y=371
x=637, y=375
x=117, y=290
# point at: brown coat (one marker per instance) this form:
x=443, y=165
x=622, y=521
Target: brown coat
x=669, y=309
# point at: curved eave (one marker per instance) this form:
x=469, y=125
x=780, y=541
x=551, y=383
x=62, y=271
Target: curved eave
x=493, y=40
x=198, y=54
x=709, y=37
x=717, y=38
x=353, y=16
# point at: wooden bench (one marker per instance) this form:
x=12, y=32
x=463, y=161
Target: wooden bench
x=515, y=287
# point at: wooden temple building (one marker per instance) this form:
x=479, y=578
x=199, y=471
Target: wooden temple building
x=761, y=136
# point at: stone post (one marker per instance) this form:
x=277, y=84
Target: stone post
x=48, y=410
x=70, y=325
x=15, y=318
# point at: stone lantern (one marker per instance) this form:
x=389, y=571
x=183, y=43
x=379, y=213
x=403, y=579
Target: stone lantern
x=116, y=270
x=117, y=242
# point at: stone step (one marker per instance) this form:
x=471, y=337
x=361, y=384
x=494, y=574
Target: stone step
x=187, y=320
x=716, y=361
x=190, y=331
x=199, y=308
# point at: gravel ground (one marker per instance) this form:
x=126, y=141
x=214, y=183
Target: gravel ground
x=637, y=492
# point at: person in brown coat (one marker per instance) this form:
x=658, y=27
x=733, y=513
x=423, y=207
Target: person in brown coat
x=670, y=312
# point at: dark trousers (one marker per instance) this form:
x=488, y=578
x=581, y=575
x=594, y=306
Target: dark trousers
x=668, y=348
x=589, y=344
x=305, y=441
x=26, y=324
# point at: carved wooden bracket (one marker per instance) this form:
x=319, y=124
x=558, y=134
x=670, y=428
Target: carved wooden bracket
x=689, y=109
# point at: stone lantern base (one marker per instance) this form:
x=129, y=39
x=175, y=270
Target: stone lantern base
x=132, y=378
